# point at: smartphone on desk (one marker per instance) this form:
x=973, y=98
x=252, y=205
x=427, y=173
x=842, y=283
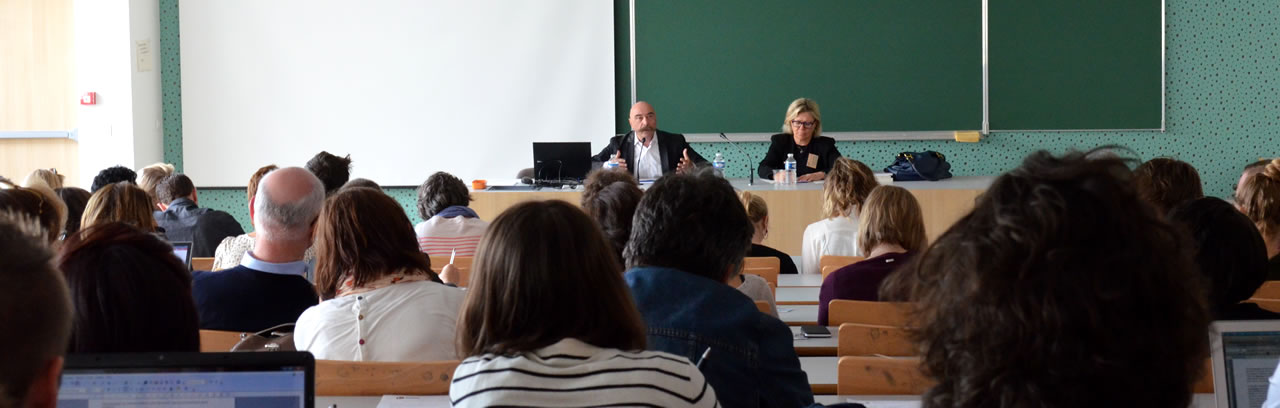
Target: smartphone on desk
x=815, y=331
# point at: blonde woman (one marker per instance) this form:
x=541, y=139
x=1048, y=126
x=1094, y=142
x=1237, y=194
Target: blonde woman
x=890, y=231
x=149, y=177
x=801, y=137
x=1259, y=199
x=843, y=193
x=758, y=214
x=119, y=202
x=49, y=177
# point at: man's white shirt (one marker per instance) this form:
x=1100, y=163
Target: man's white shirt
x=648, y=163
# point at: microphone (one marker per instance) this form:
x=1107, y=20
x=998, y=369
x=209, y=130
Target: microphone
x=751, y=174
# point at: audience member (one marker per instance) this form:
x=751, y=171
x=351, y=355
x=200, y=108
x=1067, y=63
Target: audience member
x=49, y=177
x=129, y=292
x=183, y=219
x=1060, y=289
x=1230, y=254
x=269, y=287
x=35, y=315
x=113, y=175
x=1259, y=199
x=75, y=199
x=120, y=202
x=690, y=234
x=332, y=170
x=449, y=224
x=557, y=306
x=758, y=214
x=1249, y=170
x=366, y=260
x=890, y=233
x=362, y=182
x=1164, y=183
x=610, y=197
x=843, y=193
x=151, y=176
x=232, y=249
x=755, y=287
x=37, y=202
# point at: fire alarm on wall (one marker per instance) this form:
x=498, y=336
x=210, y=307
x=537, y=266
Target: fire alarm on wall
x=89, y=98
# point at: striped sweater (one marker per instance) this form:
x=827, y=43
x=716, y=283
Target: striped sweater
x=439, y=236
x=571, y=373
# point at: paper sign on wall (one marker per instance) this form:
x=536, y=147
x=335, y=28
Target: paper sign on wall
x=142, y=49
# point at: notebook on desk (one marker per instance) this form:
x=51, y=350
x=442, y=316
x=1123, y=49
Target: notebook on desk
x=271, y=380
x=1245, y=354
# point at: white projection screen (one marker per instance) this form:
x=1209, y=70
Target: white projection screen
x=406, y=87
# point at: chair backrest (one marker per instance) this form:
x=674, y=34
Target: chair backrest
x=831, y=263
x=218, y=340
x=861, y=375
x=1205, y=384
x=763, y=306
x=874, y=340
x=765, y=266
x=376, y=378
x=463, y=263
x=202, y=264
x=1272, y=305
x=1268, y=290
x=864, y=312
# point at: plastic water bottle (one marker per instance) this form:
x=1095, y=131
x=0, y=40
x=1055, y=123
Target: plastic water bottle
x=610, y=165
x=790, y=167
x=718, y=164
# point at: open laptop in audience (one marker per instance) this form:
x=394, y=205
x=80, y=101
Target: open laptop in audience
x=1244, y=355
x=182, y=249
x=271, y=380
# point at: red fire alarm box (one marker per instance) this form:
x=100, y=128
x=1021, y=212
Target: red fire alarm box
x=89, y=98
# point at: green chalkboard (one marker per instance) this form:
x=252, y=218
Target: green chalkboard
x=1078, y=64
x=873, y=65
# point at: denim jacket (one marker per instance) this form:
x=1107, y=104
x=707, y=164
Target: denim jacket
x=752, y=362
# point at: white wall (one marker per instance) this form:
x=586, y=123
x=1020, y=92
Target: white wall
x=144, y=25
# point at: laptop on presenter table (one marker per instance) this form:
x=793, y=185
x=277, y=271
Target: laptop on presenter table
x=561, y=161
x=1245, y=354
x=269, y=380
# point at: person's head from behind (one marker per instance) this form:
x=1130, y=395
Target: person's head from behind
x=846, y=188
x=1164, y=183
x=76, y=199
x=49, y=177
x=362, y=235
x=1229, y=252
x=1259, y=199
x=440, y=191
x=150, y=176
x=611, y=197
x=131, y=294
x=1248, y=171
x=35, y=313
x=254, y=179
x=113, y=175
x=120, y=202
x=526, y=294
x=174, y=187
x=332, y=170
x=691, y=222
x=362, y=183
x=891, y=217
x=286, y=207
x=757, y=213
x=1052, y=293
x=37, y=202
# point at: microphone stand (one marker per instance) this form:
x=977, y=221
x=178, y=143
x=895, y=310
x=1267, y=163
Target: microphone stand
x=751, y=175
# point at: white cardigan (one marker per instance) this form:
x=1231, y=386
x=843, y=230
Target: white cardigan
x=572, y=373
x=411, y=321
x=829, y=236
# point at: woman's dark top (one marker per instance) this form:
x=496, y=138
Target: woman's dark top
x=1246, y=311
x=788, y=265
x=824, y=148
x=1273, y=268
x=859, y=281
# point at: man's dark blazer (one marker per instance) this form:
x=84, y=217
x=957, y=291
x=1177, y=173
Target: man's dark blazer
x=670, y=149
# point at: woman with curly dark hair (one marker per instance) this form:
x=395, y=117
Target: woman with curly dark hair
x=448, y=225
x=1060, y=289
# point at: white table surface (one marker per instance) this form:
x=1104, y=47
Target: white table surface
x=799, y=280
x=954, y=183
x=798, y=313
x=797, y=294
x=821, y=370
x=802, y=342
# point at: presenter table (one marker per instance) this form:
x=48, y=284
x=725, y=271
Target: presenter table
x=791, y=208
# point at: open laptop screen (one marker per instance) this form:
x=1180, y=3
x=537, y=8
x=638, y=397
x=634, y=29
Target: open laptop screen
x=182, y=250
x=183, y=380
x=1247, y=359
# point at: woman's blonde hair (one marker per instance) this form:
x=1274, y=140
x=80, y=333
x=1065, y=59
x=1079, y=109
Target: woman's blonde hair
x=150, y=176
x=757, y=209
x=846, y=188
x=119, y=202
x=891, y=215
x=799, y=106
x=1259, y=199
x=49, y=177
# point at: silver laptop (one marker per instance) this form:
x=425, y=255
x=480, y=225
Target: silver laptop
x=1245, y=354
x=270, y=380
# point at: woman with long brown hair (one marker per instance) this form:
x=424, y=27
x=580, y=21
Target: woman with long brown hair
x=380, y=300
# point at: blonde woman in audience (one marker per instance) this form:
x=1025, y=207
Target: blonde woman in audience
x=49, y=177
x=758, y=214
x=1259, y=199
x=549, y=322
x=149, y=177
x=37, y=202
x=367, y=260
x=232, y=249
x=843, y=193
x=120, y=202
x=890, y=232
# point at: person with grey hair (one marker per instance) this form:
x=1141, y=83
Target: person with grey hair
x=269, y=287
x=35, y=313
x=450, y=225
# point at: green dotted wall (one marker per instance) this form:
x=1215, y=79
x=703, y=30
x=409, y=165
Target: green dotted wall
x=1222, y=107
